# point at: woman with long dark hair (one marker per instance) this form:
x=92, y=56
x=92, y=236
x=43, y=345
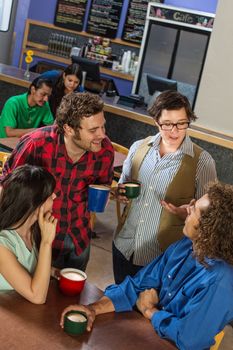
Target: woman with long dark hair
x=66, y=82
x=27, y=230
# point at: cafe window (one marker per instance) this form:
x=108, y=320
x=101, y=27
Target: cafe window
x=5, y=14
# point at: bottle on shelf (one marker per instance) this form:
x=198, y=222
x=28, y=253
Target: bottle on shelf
x=84, y=74
x=56, y=44
x=123, y=61
x=131, y=66
x=127, y=62
x=135, y=66
x=62, y=45
x=69, y=46
x=50, y=43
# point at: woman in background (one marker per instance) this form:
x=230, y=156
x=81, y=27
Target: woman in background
x=26, y=221
x=63, y=83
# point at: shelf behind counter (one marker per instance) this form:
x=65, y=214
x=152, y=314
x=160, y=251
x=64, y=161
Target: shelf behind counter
x=37, y=36
x=58, y=59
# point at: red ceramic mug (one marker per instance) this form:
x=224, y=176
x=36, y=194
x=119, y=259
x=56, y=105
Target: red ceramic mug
x=71, y=281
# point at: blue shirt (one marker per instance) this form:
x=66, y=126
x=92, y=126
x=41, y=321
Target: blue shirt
x=52, y=75
x=195, y=302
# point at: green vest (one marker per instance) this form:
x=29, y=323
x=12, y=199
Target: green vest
x=180, y=191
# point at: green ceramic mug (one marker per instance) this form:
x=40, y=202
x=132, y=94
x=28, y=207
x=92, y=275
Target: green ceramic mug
x=75, y=322
x=132, y=189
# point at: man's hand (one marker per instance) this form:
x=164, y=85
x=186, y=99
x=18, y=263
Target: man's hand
x=180, y=211
x=147, y=301
x=102, y=306
x=89, y=311
x=12, y=132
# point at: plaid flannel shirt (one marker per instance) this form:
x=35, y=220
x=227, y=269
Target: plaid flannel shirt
x=45, y=147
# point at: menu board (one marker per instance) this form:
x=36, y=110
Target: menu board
x=135, y=20
x=104, y=17
x=70, y=14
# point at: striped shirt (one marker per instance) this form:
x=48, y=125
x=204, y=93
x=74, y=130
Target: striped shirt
x=138, y=235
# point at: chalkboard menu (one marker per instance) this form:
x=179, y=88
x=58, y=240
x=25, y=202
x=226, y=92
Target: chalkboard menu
x=104, y=17
x=70, y=14
x=135, y=20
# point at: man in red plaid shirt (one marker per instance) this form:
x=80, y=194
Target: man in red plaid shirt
x=78, y=153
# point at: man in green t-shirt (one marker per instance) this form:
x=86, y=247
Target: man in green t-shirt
x=23, y=113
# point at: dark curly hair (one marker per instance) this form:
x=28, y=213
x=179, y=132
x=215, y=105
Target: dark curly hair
x=171, y=100
x=215, y=238
x=75, y=106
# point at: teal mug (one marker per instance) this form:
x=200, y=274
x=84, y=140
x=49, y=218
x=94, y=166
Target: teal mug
x=75, y=322
x=132, y=189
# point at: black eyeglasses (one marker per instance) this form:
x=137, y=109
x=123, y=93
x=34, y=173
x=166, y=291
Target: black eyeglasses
x=170, y=126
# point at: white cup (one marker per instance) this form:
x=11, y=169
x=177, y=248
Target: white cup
x=115, y=65
x=75, y=51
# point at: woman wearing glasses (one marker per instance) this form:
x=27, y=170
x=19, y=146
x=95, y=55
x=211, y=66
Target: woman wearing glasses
x=172, y=171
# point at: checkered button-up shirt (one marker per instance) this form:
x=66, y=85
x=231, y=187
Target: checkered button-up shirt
x=45, y=147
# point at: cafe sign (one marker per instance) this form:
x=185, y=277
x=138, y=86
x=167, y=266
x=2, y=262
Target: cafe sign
x=183, y=16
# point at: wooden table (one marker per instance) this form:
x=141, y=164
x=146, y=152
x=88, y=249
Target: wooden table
x=24, y=325
x=9, y=143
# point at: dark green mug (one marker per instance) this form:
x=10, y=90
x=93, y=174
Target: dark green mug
x=75, y=322
x=132, y=189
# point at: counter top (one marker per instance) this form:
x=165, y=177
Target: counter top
x=15, y=75
x=141, y=115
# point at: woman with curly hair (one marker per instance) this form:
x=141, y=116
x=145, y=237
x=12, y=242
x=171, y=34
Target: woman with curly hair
x=187, y=292
x=213, y=237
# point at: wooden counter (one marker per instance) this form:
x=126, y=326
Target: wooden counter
x=141, y=115
x=15, y=75
x=126, y=125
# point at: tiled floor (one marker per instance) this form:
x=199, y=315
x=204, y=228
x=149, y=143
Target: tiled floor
x=99, y=270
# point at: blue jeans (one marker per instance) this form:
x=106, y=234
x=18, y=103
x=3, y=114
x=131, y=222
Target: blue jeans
x=121, y=266
x=69, y=258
